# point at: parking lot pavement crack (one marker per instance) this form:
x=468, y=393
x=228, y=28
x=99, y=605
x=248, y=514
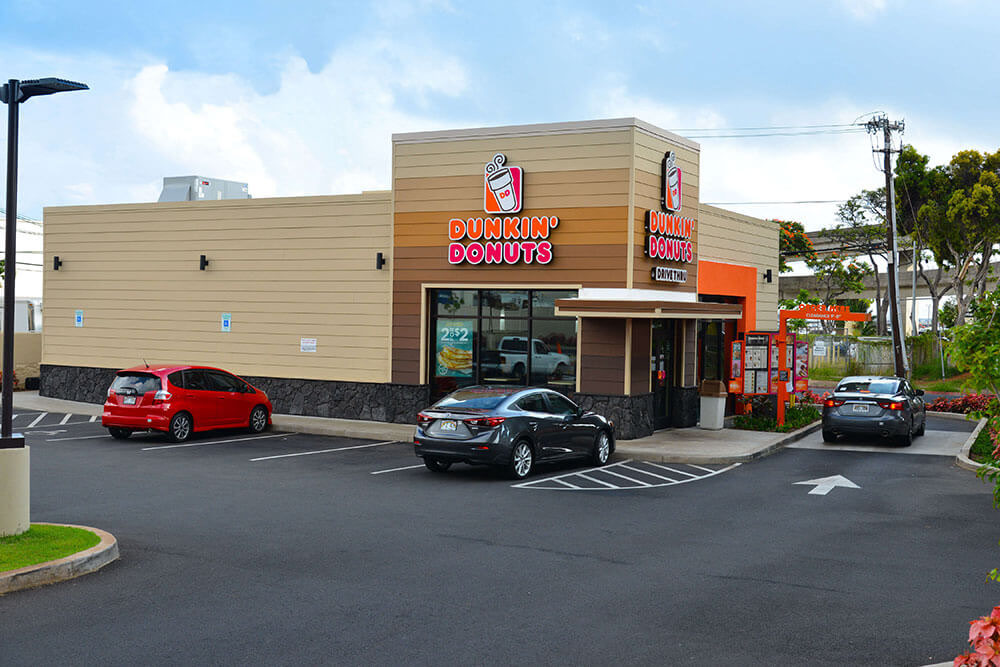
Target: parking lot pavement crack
x=774, y=582
x=527, y=547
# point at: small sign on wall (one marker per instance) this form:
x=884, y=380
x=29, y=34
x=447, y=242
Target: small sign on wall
x=79, y=319
x=307, y=345
x=227, y=322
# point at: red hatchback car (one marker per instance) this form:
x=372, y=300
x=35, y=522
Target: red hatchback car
x=180, y=400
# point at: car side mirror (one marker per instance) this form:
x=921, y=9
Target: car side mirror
x=579, y=411
x=919, y=392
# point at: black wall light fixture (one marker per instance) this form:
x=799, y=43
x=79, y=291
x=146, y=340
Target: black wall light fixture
x=203, y=263
x=767, y=276
x=56, y=263
x=379, y=261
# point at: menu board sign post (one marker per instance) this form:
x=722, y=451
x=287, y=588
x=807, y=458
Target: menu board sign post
x=806, y=312
x=756, y=364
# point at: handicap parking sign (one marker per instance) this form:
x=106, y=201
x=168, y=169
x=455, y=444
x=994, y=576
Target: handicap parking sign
x=227, y=320
x=79, y=318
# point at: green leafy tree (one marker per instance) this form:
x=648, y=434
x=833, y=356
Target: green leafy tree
x=860, y=231
x=959, y=219
x=837, y=277
x=793, y=242
x=946, y=316
x=803, y=297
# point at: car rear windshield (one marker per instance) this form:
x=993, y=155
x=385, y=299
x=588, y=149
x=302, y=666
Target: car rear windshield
x=473, y=399
x=140, y=382
x=872, y=387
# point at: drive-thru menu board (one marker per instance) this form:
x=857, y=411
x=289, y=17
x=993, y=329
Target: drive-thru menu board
x=756, y=366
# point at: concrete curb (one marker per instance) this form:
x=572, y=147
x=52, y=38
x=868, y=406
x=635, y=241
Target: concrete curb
x=70, y=567
x=624, y=451
x=963, y=460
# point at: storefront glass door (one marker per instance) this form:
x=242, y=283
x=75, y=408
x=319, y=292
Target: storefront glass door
x=661, y=365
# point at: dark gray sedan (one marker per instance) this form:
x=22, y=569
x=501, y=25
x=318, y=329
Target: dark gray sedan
x=865, y=405
x=512, y=428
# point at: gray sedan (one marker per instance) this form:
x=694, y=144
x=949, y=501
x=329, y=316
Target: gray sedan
x=866, y=405
x=512, y=428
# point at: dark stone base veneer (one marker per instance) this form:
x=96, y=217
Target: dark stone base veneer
x=632, y=415
x=75, y=383
x=685, y=406
x=396, y=403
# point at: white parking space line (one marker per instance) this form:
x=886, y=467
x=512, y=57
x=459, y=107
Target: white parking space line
x=636, y=481
x=65, y=419
x=669, y=469
x=596, y=481
x=94, y=418
x=380, y=472
x=86, y=437
x=38, y=419
x=628, y=482
x=59, y=424
x=323, y=451
x=216, y=442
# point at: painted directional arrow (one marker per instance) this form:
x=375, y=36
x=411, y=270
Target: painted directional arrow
x=826, y=484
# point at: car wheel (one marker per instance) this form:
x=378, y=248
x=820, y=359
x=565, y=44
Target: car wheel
x=906, y=439
x=519, y=371
x=521, y=460
x=923, y=426
x=560, y=372
x=180, y=427
x=119, y=433
x=829, y=436
x=258, y=419
x=602, y=449
x=436, y=465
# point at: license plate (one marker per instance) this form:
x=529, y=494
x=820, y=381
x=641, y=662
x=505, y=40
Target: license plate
x=128, y=400
x=448, y=425
x=860, y=408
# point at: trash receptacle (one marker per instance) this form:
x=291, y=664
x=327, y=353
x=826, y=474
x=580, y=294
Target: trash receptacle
x=713, y=404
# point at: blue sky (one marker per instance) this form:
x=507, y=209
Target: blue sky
x=301, y=98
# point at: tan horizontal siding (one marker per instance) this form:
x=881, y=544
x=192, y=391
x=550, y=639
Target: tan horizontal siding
x=285, y=269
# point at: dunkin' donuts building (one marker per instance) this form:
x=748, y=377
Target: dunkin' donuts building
x=574, y=255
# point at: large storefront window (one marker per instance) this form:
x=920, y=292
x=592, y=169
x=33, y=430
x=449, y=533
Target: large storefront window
x=509, y=337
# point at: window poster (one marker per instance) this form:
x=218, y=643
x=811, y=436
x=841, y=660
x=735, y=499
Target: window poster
x=454, y=347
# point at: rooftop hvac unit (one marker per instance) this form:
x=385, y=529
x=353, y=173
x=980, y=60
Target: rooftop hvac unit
x=199, y=188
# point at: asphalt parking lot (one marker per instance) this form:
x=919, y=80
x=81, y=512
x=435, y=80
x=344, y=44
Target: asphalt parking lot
x=287, y=548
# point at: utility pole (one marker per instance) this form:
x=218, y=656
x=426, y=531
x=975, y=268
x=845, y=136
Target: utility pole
x=898, y=342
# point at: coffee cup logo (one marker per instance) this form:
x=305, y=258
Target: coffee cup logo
x=671, y=199
x=502, y=186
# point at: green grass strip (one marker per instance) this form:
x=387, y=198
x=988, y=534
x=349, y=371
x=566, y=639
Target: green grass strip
x=43, y=543
x=982, y=449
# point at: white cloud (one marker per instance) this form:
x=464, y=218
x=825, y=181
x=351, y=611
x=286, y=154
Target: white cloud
x=321, y=132
x=782, y=169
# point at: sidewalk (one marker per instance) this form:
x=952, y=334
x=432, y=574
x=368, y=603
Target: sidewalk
x=688, y=445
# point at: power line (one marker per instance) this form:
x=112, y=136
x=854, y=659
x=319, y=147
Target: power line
x=764, y=127
x=775, y=134
x=801, y=201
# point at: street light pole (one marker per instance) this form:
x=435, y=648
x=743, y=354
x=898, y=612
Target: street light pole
x=9, y=268
x=13, y=93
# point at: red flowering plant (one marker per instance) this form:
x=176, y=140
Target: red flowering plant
x=984, y=639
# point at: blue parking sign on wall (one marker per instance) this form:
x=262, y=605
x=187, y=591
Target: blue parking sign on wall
x=227, y=321
x=79, y=318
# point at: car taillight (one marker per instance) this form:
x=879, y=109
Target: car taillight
x=111, y=392
x=485, y=422
x=891, y=405
x=423, y=419
x=833, y=403
x=162, y=396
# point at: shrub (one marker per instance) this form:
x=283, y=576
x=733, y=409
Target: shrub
x=964, y=404
x=796, y=417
